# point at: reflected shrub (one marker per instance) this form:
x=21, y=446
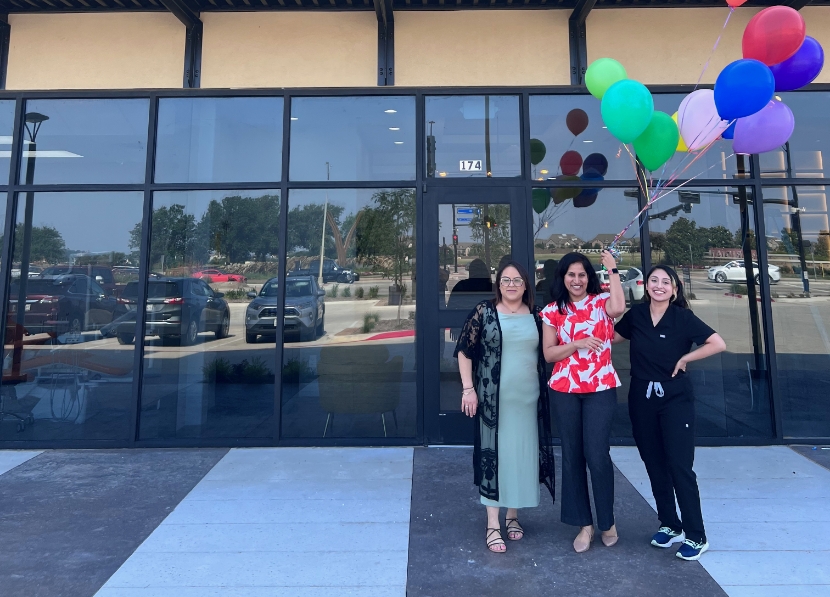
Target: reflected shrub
x=359, y=292
x=334, y=290
x=370, y=320
x=295, y=370
x=374, y=291
x=347, y=292
x=221, y=371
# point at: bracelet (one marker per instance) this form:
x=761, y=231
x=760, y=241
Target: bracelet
x=470, y=388
x=467, y=391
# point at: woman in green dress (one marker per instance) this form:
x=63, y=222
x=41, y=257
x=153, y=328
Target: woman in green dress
x=503, y=377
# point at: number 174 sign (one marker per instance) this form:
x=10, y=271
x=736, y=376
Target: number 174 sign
x=470, y=165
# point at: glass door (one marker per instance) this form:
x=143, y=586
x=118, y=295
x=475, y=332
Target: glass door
x=468, y=232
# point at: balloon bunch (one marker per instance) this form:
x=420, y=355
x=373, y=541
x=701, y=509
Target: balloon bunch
x=593, y=167
x=777, y=56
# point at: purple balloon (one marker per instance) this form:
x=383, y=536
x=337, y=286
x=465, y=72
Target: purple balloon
x=764, y=131
x=801, y=68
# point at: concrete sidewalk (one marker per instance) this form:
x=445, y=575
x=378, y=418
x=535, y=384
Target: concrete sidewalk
x=384, y=522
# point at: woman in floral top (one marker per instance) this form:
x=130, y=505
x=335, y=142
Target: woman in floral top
x=577, y=338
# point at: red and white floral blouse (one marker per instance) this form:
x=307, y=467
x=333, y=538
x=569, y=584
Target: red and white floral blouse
x=585, y=370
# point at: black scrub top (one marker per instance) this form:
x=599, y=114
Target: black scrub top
x=656, y=350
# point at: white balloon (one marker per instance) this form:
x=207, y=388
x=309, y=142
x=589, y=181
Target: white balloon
x=698, y=119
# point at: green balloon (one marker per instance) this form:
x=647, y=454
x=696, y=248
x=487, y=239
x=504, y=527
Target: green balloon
x=603, y=73
x=541, y=200
x=627, y=108
x=537, y=151
x=657, y=144
x=562, y=194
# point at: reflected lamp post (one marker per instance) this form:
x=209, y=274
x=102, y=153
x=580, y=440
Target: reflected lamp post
x=33, y=121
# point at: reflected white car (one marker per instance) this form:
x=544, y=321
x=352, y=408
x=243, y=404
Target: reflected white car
x=633, y=284
x=734, y=271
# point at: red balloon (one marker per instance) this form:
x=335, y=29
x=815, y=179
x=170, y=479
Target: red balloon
x=577, y=121
x=774, y=34
x=570, y=163
x=735, y=3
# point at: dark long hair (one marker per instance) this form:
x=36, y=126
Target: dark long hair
x=559, y=292
x=679, y=299
x=527, y=297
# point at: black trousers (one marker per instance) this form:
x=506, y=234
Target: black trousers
x=664, y=429
x=585, y=428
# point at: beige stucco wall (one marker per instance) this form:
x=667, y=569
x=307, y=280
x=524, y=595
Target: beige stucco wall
x=309, y=49
x=95, y=51
x=478, y=47
x=671, y=45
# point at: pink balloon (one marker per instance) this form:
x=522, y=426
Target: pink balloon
x=764, y=131
x=698, y=119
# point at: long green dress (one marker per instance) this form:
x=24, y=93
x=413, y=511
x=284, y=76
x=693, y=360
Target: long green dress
x=518, y=433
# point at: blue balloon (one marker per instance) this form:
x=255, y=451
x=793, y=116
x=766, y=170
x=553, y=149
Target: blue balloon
x=801, y=68
x=586, y=198
x=730, y=132
x=743, y=88
x=595, y=164
x=590, y=177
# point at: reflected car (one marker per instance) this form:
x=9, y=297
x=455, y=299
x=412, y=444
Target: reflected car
x=177, y=311
x=332, y=272
x=218, y=276
x=633, y=283
x=604, y=280
x=68, y=303
x=305, y=309
x=34, y=271
x=734, y=271
x=100, y=273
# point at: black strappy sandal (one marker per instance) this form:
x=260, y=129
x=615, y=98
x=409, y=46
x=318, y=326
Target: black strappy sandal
x=515, y=528
x=495, y=541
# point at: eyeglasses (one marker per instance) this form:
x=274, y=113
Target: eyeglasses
x=518, y=282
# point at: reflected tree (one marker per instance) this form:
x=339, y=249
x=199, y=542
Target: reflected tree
x=385, y=233
x=47, y=244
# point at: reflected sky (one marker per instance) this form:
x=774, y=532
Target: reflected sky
x=105, y=224
x=90, y=141
x=361, y=138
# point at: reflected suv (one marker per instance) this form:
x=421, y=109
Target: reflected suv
x=178, y=309
x=305, y=309
x=68, y=303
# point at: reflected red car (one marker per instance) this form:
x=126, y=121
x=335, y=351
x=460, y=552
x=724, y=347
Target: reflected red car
x=216, y=275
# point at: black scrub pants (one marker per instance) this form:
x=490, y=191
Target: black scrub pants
x=664, y=430
x=584, y=422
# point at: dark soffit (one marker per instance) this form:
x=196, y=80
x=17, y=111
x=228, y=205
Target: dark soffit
x=57, y=6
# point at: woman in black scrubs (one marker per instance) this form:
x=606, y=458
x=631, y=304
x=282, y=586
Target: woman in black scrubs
x=661, y=403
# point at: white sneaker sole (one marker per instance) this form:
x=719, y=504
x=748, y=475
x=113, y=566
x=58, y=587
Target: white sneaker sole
x=697, y=557
x=679, y=539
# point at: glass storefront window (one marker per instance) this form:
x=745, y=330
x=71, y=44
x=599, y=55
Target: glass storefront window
x=569, y=139
x=798, y=244
x=66, y=375
x=6, y=133
x=349, y=364
x=803, y=155
x=201, y=378
x=352, y=138
x=473, y=136
x=708, y=236
x=75, y=141
x=229, y=139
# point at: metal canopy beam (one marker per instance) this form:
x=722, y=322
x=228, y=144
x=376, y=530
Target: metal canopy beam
x=386, y=42
x=188, y=14
x=5, y=37
x=577, y=40
x=796, y=4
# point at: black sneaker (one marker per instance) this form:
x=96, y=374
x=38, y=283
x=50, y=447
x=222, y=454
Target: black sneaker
x=666, y=536
x=690, y=550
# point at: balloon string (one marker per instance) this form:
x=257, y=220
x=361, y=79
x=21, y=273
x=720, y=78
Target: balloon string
x=715, y=47
x=656, y=198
